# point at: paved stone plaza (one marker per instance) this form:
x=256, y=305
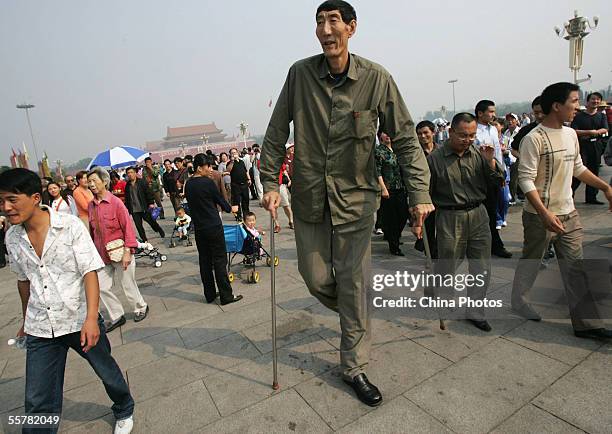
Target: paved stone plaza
x=195, y=367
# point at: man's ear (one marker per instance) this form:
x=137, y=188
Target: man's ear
x=37, y=198
x=352, y=27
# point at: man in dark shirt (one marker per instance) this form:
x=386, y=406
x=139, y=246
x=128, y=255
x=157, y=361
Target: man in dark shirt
x=138, y=199
x=169, y=181
x=240, y=183
x=461, y=175
x=203, y=197
x=180, y=175
x=590, y=125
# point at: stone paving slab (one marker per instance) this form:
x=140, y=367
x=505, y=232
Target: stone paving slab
x=583, y=396
x=250, y=382
x=394, y=368
x=285, y=412
x=398, y=415
x=532, y=420
x=488, y=386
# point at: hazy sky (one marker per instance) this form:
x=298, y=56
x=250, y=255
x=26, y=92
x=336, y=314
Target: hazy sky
x=114, y=72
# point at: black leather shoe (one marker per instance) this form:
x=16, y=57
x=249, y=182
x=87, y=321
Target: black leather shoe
x=162, y=234
x=594, y=202
x=141, y=315
x=397, y=252
x=232, y=300
x=482, y=325
x=112, y=326
x=594, y=333
x=527, y=312
x=366, y=391
x=502, y=253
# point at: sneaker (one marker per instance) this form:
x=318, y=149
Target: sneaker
x=498, y=227
x=504, y=224
x=378, y=231
x=124, y=426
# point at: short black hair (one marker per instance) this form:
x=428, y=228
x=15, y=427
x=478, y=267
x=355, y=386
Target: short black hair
x=167, y=160
x=178, y=160
x=557, y=92
x=482, y=106
x=131, y=168
x=428, y=124
x=148, y=159
x=20, y=181
x=347, y=12
x=597, y=94
x=249, y=214
x=536, y=101
x=189, y=157
x=201, y=160
x=462, y=117
x=180, y=208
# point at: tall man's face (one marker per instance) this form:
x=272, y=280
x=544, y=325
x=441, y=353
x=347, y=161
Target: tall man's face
x=462, y=136
x=333, y=33
x=131, y=174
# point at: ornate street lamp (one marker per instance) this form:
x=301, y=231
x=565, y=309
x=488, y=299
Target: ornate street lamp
x=575, y=30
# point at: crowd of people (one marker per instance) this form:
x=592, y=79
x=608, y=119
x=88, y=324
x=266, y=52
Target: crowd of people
x=72, y=241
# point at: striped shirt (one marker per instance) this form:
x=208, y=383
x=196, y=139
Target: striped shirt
x=549, y=159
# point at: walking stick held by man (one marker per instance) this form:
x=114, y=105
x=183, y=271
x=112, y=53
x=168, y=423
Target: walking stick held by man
x=275, y=385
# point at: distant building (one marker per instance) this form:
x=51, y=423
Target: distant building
x=188, y=136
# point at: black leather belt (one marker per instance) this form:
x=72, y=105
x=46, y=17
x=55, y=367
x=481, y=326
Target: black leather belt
x=466, y=207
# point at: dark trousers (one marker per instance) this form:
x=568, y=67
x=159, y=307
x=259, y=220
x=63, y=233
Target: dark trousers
x=515, y=190
x=2, y=248
x=138, y=218
x=176, y=201
x=430, y=228
x=212, y=256
x=491, y=205
x=240, y=197
x=394, y=211
x=591, y=157
x=45, y=366
x=158, y=202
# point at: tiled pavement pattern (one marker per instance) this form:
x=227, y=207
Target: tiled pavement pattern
x=195, y=367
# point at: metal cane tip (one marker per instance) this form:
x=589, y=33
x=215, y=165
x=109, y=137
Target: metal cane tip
x=275, y=386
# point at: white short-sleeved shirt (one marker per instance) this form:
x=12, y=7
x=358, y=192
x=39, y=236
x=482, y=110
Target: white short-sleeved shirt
x=57, y=304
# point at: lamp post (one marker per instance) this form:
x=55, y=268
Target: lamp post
x=452, y=82
x=574, y=31
x=27, y=108
x=243, y=127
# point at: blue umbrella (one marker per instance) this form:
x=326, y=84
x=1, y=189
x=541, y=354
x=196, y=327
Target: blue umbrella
x=119, y=156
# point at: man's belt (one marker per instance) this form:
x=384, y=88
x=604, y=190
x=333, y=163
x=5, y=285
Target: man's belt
x=465, y=207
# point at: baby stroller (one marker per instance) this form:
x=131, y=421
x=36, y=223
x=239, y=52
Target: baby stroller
x=147, y=250
x=239, y=240
x=175, y=237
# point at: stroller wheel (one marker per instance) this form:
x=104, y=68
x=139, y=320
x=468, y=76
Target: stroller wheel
x=268, y=261
x=158, y=264
x=172, y=244
x=189, y=244
x=276, y=261
x=230, y=276
x=163, y=258
x=255, y=276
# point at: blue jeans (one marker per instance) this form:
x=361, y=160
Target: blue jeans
x=45, y=365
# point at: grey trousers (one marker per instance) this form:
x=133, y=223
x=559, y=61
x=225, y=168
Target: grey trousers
x=568, y=247
x=462, y=234
x=335, y=263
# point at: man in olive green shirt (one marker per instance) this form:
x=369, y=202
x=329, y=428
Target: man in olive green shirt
x=335, y=101
x=461, y=175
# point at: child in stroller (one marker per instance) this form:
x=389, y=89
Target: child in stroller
x=182, y=225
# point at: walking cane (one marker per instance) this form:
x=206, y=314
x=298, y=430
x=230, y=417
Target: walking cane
x=275, y=385
x=430, y=264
